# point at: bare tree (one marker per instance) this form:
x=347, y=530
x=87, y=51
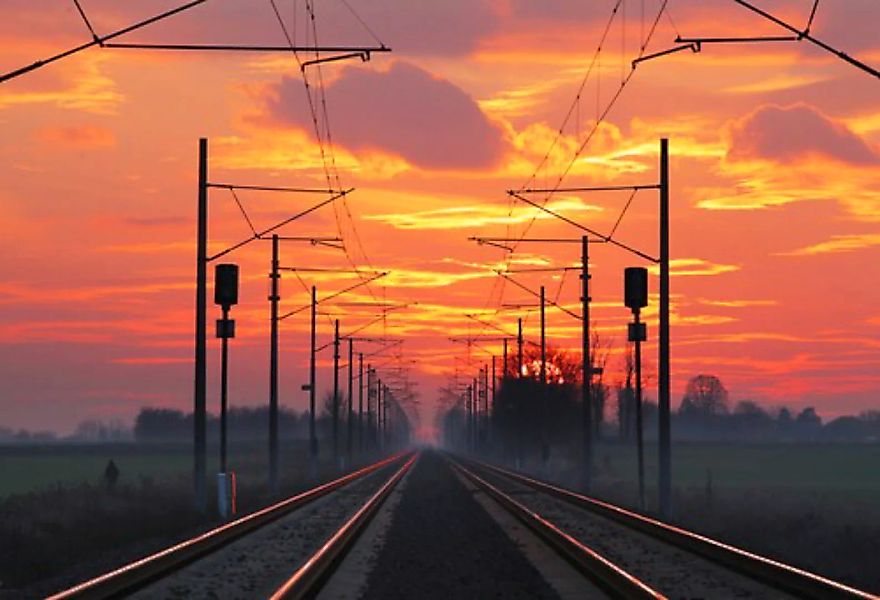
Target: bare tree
x=705, y=396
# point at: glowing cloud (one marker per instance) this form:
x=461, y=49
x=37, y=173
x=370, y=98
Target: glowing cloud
x=786, y=134
x=406, y=111
x=691, y=267
x=839, y=243
x=473, y=216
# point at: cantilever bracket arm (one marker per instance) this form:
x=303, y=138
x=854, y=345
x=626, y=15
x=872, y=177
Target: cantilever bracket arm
x=606, y=238
x=694, y=46
x=267, y=188
x=472, y=344
x=262, y=234
x=499, y=329
x=797, y=36
x=350, y=334
x=363, y=52
x=363, y=55
x=805, y=35
x=533, y=293
x=334, y=295
x=98, y=40
x=736, y=40
x=392, y=344
x=487, y=242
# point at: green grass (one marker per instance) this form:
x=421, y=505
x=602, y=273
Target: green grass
x=65, y=465
x=830, y=467
x=29, y=469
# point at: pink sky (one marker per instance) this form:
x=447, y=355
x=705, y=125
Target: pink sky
x=775, y=209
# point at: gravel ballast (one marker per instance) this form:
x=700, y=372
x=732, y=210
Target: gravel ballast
x=666, y=568
x=442, y=544
x=257, y=564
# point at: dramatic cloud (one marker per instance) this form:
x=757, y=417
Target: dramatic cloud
x=691, y=267
x=786, y=134
x=839, y=243
x=475, y=215
x=405, y=111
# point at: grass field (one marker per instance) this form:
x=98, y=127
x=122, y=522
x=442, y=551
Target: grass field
x=829, y=468
x=848, y=468
x=59, y=524
x=815, y=506
x=26, y=469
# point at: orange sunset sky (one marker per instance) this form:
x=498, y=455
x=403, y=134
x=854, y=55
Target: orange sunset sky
x=775, y=150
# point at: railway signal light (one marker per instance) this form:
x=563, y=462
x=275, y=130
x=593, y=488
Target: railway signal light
x=226, y=285
x=635, y=294
x=226, y=295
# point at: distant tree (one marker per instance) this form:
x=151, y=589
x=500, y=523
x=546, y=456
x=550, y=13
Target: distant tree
x=846, y=428
x=705, y=397
x=749, y=408
x=162, y=424
x=808, y=418
x=784, y=417
x=95, y=430
x=749, y=420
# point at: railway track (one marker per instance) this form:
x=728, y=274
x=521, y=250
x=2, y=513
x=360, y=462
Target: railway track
x=629, y=555
x=286, y=550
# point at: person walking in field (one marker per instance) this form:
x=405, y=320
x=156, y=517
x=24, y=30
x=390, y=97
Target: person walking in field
x=111, y=474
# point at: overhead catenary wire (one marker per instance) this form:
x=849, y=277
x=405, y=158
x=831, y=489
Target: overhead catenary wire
x=797, y=35
x=321, y=122
x=85, y=19
x=601, y=116
x=602, y=112
x=99, y=40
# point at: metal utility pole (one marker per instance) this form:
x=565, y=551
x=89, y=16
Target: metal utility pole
x=336, y=392
x=200, y=447
x=484, y=421
x=313, y=437
x=665, y=439
x=386, y=439
x=384, y=405
x=468, y=410
x=361, y=402
x=635, y=297
x=224, y=389
x=490, y=415
x=545, y=448
x=379, y=414
x=587, y=385
x=519, y=348
x=350, y=400
x=370, y=406
x=639, y=436
x=504, y=364
x=226, y=295
x=274, y=298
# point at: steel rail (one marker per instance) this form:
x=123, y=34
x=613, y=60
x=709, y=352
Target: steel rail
x=598, y=569
x=804, y=584
x=309, y=578
x=135, y=575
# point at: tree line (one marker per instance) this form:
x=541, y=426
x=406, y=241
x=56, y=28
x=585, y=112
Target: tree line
x=522, y=418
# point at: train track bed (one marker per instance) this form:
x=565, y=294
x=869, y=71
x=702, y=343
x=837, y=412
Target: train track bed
x=253, y=564
x=666, y=567
x=441, y=544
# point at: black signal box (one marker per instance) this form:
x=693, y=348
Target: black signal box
x=226, y=285
x=635, y=294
